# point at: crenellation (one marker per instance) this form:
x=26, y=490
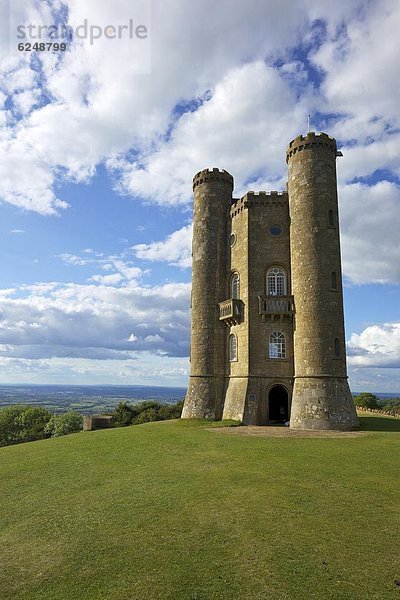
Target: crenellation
x=213, y=174
x=311, y=140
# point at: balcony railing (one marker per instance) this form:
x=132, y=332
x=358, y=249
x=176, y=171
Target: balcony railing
x=275, y=306
x=231, y=311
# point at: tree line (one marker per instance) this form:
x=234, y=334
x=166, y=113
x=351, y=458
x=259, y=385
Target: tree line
x=372, y=402
x=21, y=423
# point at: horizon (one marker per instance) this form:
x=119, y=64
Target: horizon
x=164, y=387
x=98, y=147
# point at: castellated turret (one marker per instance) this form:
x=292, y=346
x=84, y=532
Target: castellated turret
x=212, y=201
x=321, y=395
x=267, y=335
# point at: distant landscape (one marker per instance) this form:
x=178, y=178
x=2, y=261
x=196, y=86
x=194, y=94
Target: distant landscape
x=85, y=399
x=95, y=399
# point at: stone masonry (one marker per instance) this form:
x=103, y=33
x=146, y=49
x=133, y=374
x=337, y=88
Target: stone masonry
x=267, y=334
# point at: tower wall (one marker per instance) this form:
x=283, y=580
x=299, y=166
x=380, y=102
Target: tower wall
x=321, y=395
x=237, y=371
x=255, y=250
x=212, y=200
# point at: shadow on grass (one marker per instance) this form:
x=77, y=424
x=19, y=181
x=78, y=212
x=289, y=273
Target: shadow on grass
x=368, y=423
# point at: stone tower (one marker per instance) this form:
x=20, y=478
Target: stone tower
x=212, y=200
x=267, y=336
x=321, y=395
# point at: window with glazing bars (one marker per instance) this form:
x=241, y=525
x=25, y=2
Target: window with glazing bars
x=276, y=282
x=277, y=345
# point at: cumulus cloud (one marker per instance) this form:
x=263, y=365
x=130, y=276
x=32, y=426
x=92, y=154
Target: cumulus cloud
x=112, y=317
x=369, y=229
x=364, y=159
x=376, y=346
x=175, y=249
x=361, y=65
x=92, y=120
x=73, y=259
x=95, y=321
x=87, y=119
x=243, y=132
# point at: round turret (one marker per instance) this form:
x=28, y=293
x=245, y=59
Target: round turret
x=321, y=395
x=212, y=202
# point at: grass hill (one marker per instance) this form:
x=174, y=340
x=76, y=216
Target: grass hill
x=172, y=510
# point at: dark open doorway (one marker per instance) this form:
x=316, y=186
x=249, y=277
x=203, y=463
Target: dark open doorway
x=278, y=404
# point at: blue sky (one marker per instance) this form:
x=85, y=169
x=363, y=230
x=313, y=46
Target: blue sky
x=98, y=147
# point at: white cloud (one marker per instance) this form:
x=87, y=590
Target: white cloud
x=107, y=279
x=369, y=230
x=73, y=259
x=95, y=321
x=376, y=346
x=175, y=249
x=88, y=119
x=362, y=64
x=243, y=132
x=364, y=159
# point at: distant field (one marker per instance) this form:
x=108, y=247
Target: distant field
x=171, y=511
x=85, y=399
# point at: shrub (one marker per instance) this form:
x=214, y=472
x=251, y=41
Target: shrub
x=170, y=411
x=123, y=414
x=146, y=416
x=367, y=400
x=23, y=423
x=70, y=422
x=144, y=412
x=390, y=404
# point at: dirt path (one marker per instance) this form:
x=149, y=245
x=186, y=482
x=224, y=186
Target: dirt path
x=274, y=431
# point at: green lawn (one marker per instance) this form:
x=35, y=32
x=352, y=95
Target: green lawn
x=170, y=510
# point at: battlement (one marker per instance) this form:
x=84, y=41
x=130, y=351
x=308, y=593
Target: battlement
x=311, y=140
x=254, y=199
x=214, y=174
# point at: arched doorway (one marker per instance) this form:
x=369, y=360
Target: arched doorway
x=278, y=404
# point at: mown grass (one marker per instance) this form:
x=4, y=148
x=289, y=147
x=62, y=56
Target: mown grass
x=171, y=510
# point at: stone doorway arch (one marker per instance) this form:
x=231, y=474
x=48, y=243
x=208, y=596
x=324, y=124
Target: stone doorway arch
x=278, y=403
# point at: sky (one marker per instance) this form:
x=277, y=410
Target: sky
x=99, y=144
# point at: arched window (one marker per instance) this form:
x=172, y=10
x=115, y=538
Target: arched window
x=235, y=286
x=277, y=345
x=337, y=348
x=334, y=280
x=232, y=347
x=276, y=282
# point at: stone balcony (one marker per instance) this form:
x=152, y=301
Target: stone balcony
x=231, y=311
x=275, y=306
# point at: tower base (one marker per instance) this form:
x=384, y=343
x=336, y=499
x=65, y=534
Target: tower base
x=236, y=401
x=246, y=399
x=322, y=403
x=204, y=398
